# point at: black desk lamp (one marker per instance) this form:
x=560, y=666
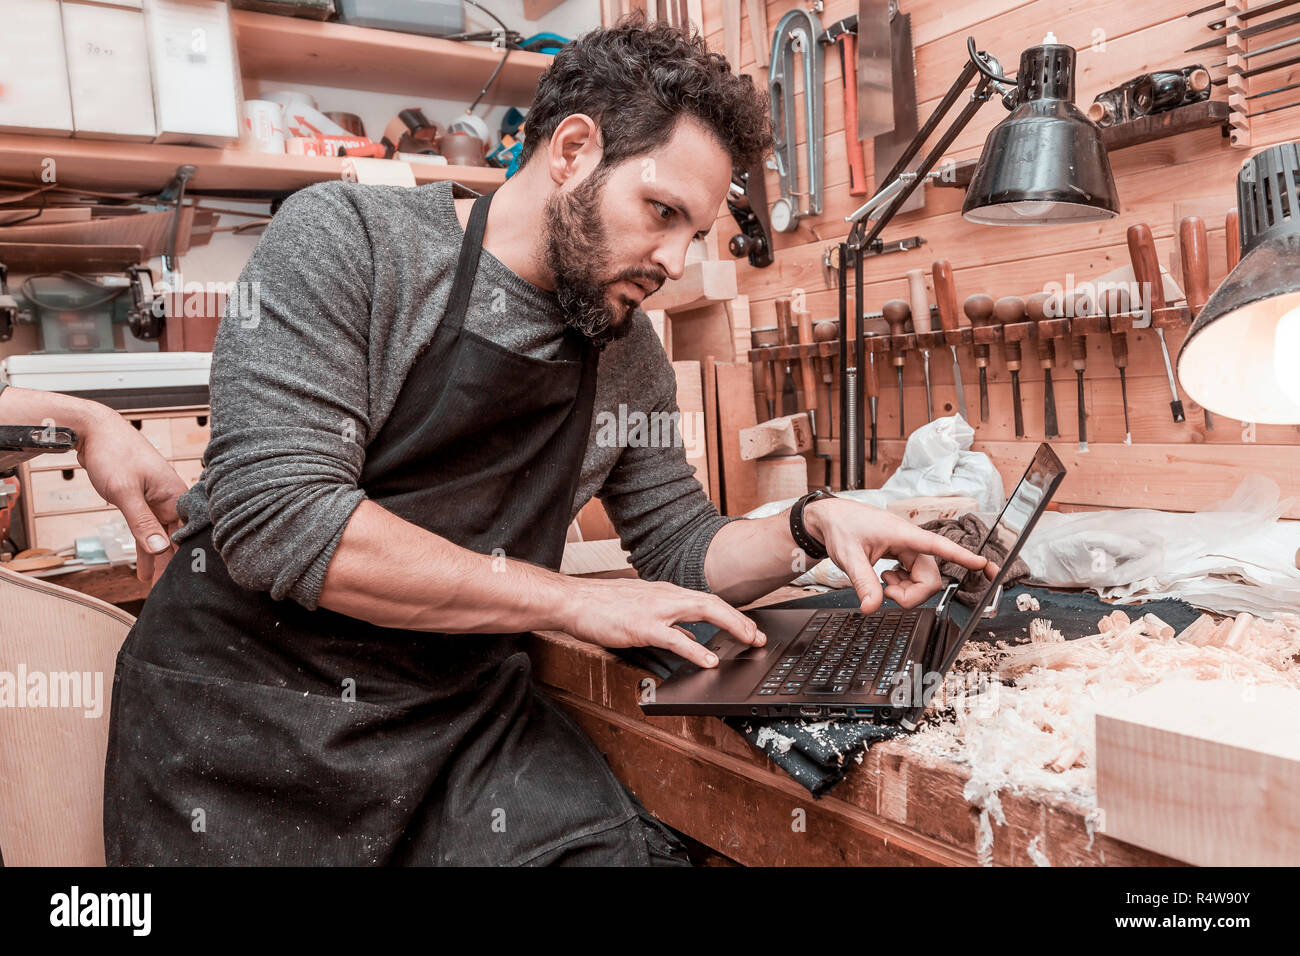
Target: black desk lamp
x=1241, y=357
x=1045, y=164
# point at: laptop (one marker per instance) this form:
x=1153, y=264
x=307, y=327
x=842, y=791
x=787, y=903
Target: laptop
x=881, y=667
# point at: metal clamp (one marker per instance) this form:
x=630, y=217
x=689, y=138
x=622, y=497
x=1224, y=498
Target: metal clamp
x=799, y=31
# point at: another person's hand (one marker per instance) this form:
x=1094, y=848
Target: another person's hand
x=133, y=477
x=857, y=535
x=624, y=612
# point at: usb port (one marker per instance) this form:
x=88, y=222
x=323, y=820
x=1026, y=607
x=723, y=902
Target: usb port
x=810, y=711
x=864, y=711
x=833, y=711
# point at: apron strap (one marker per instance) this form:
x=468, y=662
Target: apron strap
x=467, y=264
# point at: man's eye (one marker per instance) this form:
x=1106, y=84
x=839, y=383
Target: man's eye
x=665, y=212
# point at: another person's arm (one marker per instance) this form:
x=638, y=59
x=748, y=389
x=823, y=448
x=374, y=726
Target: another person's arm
x=123, y=467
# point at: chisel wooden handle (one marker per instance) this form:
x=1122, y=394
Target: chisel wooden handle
x=1232, y=227
x=896, y=313
x=945, y=294
x=762, y=371
x=1007, y=310
x=870, y=378
x=1146, y=267
x=919, y=300
x=783, y=321
x=1078, y=352
x=1192, y=244
x=979, y=309
x=1116, y=303
x=803, y=322
x=1036, y=309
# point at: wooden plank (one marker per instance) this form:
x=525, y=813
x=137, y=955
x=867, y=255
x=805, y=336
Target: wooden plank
x=702, y=282
x=779, y=478
x=1210, y=113
x=690, y=401
x=731, y=32
x=1233, y=747
x=787, y=435
x=711, y=433
x=736, y=411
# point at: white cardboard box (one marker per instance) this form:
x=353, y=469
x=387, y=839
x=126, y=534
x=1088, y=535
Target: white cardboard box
x=34, y=94
x=195, y=71
x=108, y=70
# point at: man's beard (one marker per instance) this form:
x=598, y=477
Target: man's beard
x=577, y=254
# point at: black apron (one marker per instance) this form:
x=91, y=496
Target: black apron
x=246, y=730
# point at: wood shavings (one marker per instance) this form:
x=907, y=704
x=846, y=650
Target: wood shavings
x=780, y=742
x=1033, y=728
x=1026, y=602
x=1042, y=632
x=1037, y=855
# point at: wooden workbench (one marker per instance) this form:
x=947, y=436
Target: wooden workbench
x=705, y=779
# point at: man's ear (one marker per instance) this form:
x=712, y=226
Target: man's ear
x=576, y=148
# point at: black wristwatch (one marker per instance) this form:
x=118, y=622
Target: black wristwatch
x=806, y=542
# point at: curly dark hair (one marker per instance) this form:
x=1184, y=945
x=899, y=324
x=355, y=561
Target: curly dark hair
x=637, y=79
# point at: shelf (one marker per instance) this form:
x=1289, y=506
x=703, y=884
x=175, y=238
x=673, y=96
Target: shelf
x=145, y=167
x=291, y=50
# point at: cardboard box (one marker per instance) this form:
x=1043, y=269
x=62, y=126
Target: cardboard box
x=108, y=70
x=195, y=71
x=34, y=95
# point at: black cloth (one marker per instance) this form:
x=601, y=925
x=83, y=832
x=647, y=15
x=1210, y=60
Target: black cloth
x=970, y=532
x=818, y=753
x=246, y=730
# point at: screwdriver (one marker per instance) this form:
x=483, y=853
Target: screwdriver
x=1146, y=269
x=896, y=313
x=979, y=309
x=1116, y=303
x=1007, y=310
x=1036, y=307
x=1193, y=243
x=873, y=395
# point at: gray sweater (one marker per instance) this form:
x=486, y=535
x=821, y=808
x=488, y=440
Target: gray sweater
x=350, y=282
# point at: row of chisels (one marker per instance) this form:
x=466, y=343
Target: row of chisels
x=1049, y=328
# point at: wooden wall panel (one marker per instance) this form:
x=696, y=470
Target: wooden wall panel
x=1159, y=182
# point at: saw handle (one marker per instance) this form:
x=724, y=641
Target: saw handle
x=846, y=43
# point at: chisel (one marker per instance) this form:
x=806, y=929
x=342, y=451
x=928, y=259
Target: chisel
x=827, y=330
x=979, y=309
x=1285, y=21
x=1146, y=270
x=873, y=396
x=1116, y=303
x=921, y=322
x=1007, y=310
x=1244, y=15
x=1193, y=246
x=945, y=293
x=896, y=313
x=1079, y=361
x=1036, y=308
x=787, y=401
x=808, y=372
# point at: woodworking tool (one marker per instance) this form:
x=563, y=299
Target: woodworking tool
x=1252, y=13
x=1284, y=21
x=896, y=313
x=808, y=372
x=1205, y=9
x=873, y=396
x=789, y=401
x=921, y=322
x=1116, y=304
x=761, y=392
x=799, y=31
x=887, y=66
x=1146, y=270
x=747, y=202
x=1150, y=94
x=1193, y=247
x=1274, y=92
x=825, y=331
x=1257, y=70
x=765, y=368
x=945, y=293
x=979, y=309
x=844, y=35
x=850, y=478
x=1007, y=310
x=1273, y=109
x=1036, y=309
x=1079, y=361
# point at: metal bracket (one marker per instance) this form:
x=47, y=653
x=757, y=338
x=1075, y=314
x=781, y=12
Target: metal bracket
x=879, y=247
x=991, y=609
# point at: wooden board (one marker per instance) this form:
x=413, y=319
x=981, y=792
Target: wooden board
x=711, y=432
x=780, y=478
x=690, y=401
x=1234, y=748
x=787, y=435
x=736, y=411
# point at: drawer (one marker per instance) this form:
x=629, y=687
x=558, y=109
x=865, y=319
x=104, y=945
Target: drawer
x=157, y=430
x=61, y=531
x=189, y=469
x=189, y=435
x=50, y=492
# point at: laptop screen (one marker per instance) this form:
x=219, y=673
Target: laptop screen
x=1007, y=536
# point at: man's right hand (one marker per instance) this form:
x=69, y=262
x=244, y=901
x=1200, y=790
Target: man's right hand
x=623, y=612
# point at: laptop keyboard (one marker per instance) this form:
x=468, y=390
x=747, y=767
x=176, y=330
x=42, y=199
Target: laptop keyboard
x=850, y=653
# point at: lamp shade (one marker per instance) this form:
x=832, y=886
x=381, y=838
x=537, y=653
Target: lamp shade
x=1241, y=357
x=1045, y=164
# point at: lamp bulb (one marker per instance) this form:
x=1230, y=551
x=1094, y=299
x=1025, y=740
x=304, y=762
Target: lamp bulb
x=1286, y=354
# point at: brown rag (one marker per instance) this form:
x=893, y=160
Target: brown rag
x=969, y=532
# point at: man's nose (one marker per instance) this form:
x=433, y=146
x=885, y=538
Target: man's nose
x=671, y=258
